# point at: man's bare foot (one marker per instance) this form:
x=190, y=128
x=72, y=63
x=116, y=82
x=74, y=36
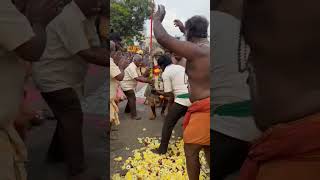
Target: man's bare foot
x=114, y=136
x=136, y=118
x=153, y=117
x=157, y=151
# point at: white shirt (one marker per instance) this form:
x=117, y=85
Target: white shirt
x=114, y=71
x=130, y=73
x=69, y=33
x=175, y=80
x=228, y=84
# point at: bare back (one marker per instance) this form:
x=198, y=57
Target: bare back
x=285, y=41
x=198, y=71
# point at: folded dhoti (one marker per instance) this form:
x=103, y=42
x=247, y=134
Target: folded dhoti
x=114, y=110
x=197, y=123
x=286, y=151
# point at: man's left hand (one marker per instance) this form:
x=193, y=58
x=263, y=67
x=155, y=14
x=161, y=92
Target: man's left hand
x=160, y=14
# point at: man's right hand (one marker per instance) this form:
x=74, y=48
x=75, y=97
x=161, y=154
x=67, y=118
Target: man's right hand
x=43, y=12
x=179, y=24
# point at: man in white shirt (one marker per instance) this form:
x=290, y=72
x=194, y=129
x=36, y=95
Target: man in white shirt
x=175, y=83
x=60, y=75
x=117, y=67
x=18, y=40
x=129, y=84
x=232, y=130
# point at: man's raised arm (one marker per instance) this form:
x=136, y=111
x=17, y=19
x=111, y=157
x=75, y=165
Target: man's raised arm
x=182, y=48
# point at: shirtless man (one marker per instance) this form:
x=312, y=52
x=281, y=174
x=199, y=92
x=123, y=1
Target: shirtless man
x=284, y=74
x=197, y=52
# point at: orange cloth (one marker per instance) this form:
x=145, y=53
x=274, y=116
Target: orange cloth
x=198, y=106
x=293, y=147
x=197, y=123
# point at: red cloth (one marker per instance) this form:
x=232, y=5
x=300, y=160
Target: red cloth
x=283, y=142
x=198, y=106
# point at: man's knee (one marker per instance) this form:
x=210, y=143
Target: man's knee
x=192, y=150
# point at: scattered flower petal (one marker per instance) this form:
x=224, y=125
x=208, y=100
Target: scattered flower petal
x=144, y=164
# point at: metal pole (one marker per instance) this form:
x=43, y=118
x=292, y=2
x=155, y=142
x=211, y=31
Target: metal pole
x=151, y=26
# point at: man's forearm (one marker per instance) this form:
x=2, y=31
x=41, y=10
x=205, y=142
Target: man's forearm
x=183, y=30
x=33, y=49
x=97, y=56
x=166, y=94
x=142, y=79
x=120, y=76
x=160, y=33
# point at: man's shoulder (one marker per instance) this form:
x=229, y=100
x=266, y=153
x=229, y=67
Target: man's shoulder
x=70, y=14
x=171, y=69
x=131, y=67
x=112, y=62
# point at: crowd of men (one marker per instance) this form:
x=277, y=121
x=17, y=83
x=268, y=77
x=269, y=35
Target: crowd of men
x=183, y=84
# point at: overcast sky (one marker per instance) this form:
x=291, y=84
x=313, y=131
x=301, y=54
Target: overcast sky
x=183, y=10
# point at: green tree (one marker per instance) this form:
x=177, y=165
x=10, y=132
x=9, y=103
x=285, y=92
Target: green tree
x=128, y=16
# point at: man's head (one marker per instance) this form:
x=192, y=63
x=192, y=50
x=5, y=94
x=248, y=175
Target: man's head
x=196, y=27
x=116, y=38
x=115, y=55
x=164, y=61
x=157, y=53
x=112, y=46
x=138, y=60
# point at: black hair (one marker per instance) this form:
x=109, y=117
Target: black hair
x=115, y=36
x=164, y=61
x=197, y=27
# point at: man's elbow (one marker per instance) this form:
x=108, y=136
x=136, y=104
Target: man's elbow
x=119, y=77
x=163, y=38
x=28, y=55
x=30, y=58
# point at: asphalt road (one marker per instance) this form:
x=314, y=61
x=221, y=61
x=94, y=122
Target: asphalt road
x=129, y=130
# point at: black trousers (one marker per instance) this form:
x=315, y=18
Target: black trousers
x=131, y=104
x=67, y=141
x=176, y=111
x=228, y=155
